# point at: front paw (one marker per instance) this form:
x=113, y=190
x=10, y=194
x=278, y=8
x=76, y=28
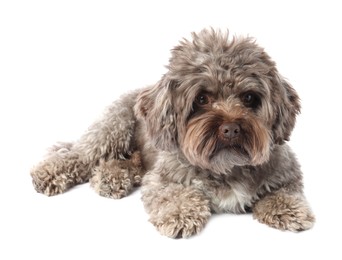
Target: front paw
x=180, y=217
x=182, y=225
x=284, y=212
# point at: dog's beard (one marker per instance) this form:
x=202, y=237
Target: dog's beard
x=203, y=146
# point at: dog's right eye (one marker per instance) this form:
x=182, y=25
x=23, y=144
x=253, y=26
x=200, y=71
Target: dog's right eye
x=202, y=99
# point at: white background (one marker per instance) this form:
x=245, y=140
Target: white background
x=62, y=62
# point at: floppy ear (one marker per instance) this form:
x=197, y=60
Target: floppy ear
x=154, y=106
x=287, y=106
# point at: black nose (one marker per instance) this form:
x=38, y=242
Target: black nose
x=230, y=130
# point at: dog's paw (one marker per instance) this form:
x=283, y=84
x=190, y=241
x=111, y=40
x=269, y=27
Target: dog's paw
x=179, y=213
x=116, y=178
x=183, y=225
x=284, y=212
x=45, y=180
x=114, y=183
x=60, y=170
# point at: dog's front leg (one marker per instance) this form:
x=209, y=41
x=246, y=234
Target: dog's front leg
x=285, y=211
x=282, y=203
x=175, y=210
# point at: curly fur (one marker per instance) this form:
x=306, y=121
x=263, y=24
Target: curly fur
x=115, y=178
x=61, y=170
x=175, y=139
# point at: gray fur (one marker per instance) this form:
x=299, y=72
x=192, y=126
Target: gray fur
x=172, y=131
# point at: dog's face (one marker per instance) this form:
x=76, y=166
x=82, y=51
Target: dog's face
x=222, y=103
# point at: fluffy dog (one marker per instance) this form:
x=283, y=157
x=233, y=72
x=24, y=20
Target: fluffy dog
x=210, y=136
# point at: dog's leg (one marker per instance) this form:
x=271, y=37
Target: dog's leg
x=284, y=211
x=175, y=210
x=111, y=137
x=108, y=143
x=116, y=178
x=282, y=204
x=61, y=170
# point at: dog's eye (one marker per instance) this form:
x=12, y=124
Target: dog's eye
x=202, y=99
x=251, y=100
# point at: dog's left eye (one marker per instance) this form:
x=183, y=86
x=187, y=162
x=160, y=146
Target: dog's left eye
x=251, y=100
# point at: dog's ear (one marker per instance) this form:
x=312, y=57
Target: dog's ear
x=287, y=106
x=154, y=106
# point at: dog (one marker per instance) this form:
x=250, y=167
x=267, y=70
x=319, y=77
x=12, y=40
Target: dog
x=209, y=137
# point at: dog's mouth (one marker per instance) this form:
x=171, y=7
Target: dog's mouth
x=237, y=150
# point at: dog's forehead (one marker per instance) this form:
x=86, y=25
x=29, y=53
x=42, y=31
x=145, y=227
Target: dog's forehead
x=231, y=72
x=225, y=79
x=223, y=68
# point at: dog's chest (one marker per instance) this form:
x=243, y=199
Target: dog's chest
x=235, y=198
x=231, y=199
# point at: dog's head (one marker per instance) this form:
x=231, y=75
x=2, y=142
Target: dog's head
x=222, y=103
